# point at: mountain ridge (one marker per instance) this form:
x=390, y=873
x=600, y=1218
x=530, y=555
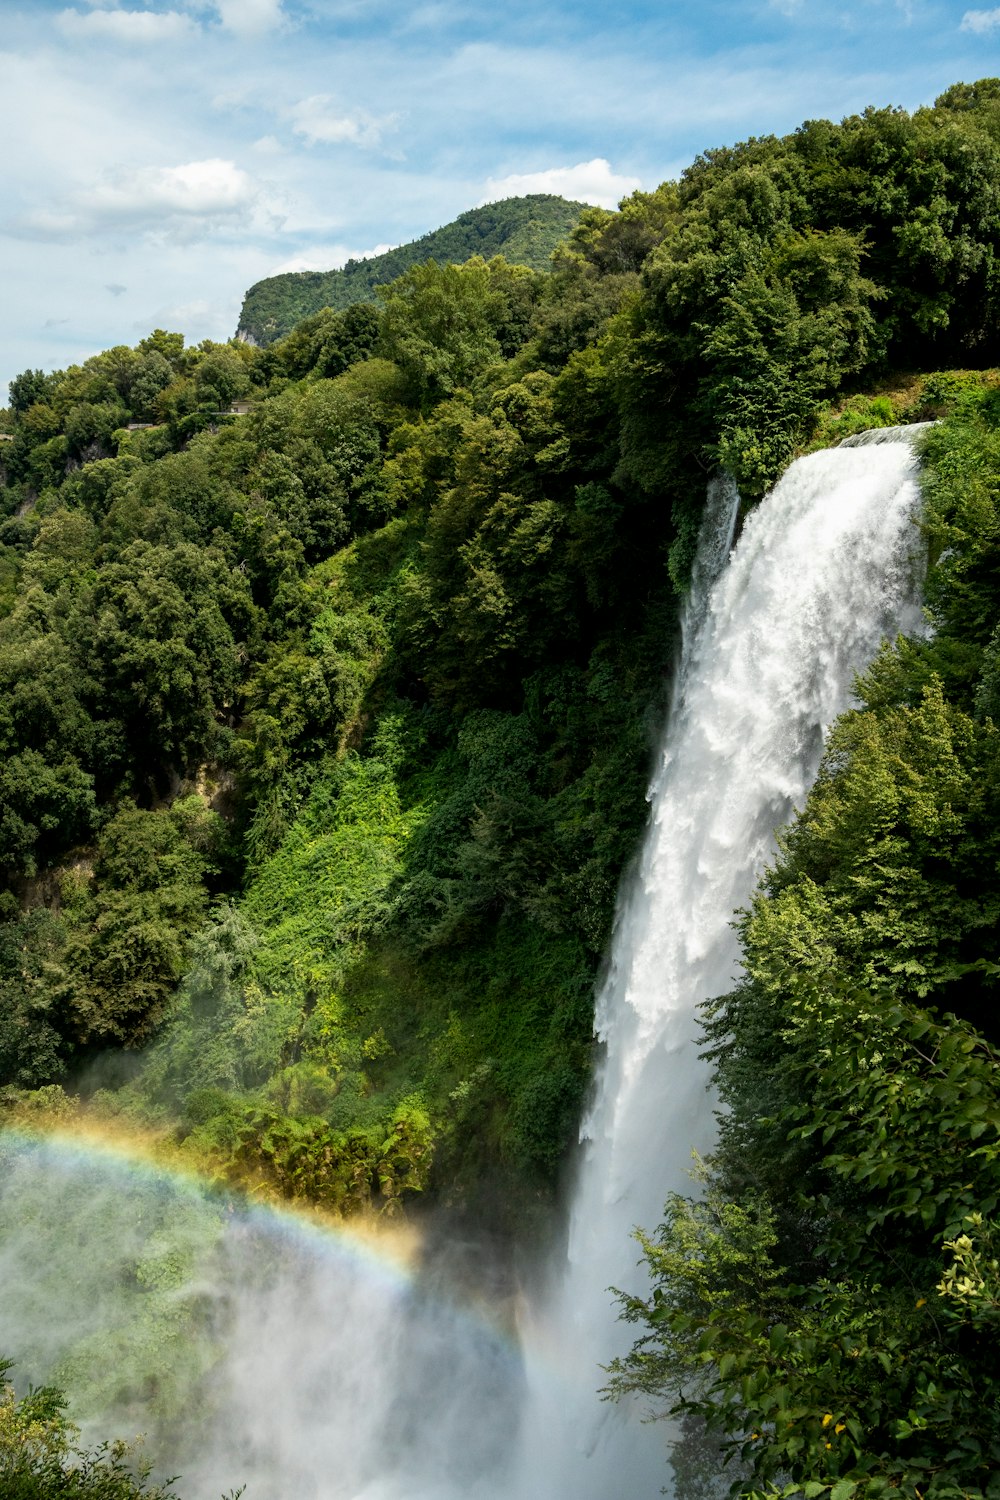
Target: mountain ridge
x=525, y=230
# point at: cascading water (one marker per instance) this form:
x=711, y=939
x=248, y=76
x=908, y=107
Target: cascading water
x=875, y=436
x=337, y=1381
x=824, y=571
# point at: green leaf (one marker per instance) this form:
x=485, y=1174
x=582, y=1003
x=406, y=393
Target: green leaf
x=843, y=1489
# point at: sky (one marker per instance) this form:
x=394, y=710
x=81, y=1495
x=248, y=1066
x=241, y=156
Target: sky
x=161, y=156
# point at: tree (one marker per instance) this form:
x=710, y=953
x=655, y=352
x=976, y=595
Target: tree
x=27, y=388
x=133, y=922
x=164, y=648
x=40, y=1456
x=441, y=325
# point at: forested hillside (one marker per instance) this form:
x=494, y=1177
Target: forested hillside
x=325, y=732
x=524, y=231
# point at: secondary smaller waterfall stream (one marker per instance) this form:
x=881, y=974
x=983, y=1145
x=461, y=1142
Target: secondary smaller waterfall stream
x=330, y=1378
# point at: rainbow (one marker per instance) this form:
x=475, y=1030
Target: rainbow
x=386, y=1252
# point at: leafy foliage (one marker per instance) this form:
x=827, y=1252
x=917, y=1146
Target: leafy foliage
x=40, y=1459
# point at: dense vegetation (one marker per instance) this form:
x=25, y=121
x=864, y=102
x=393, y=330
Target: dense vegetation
x=524, y=231
x=324, y=737
x=321, y=707
x=40, y=1456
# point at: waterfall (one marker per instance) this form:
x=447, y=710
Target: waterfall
x=337, y=1381
x=824, y=571
x=875, y=436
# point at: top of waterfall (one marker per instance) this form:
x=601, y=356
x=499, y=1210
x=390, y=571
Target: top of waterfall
x=904, y=434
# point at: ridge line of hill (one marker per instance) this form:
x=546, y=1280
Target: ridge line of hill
x=525, y=230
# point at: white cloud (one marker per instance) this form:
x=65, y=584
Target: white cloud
x=319, y=122
x=233, y=100
x=325, y=258
x=139, y=27
x=431, y=17
x=199, y=311
x=981, y=22
x=47, y=224
x=202, y=188
x=173, y=202
x=250, y=17
x=587, y=182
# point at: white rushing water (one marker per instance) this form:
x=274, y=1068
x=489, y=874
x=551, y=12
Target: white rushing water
x=875, y=436
x=320, y=1375
x=824, y=571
